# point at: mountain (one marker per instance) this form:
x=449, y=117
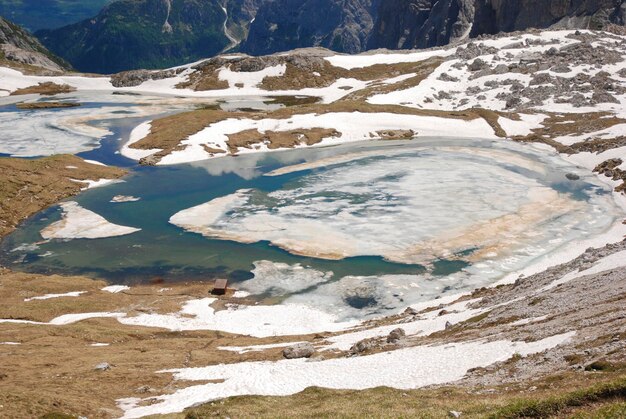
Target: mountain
x=19, y=48
x=282, y=25
x=47, y=14
x=428, y=23
x=131, y=34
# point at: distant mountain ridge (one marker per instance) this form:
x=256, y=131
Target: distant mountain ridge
x=140, y=34
x=131, y=34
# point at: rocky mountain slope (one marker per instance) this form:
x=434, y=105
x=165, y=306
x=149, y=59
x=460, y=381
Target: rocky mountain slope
x=427, y=23
x=20, y=48
x=287, y=24
x=131, y=34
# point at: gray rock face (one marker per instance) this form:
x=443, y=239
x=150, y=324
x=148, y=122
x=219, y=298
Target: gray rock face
x=136, y=77
x=404, y=24
x=301, y=350
x=283, y=25
x=362, y=346
x=19, y=46
x=395, y=335
x=427, y=23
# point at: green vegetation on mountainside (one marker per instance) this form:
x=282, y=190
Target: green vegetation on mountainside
x=132, y=34
x=49, y=14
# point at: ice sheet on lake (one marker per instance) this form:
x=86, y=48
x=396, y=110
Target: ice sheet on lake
x=80, y=223
x=417, y=209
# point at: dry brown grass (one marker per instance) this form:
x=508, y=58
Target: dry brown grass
x=296, y=78
x=52, y=370
x=557, y=125
x=28, y=186
x=203, y=80
x=47, y=88
x=167, y=133
x=47, y=105
x=278, y=139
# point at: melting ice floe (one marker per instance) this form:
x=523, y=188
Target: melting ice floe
x=80, y=223
x=417, y=209
x=403, y=369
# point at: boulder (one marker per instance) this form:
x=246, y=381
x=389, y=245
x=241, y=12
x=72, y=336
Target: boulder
x=362, y=346
x=395, y=335
x=301, y=350
x=103, y=366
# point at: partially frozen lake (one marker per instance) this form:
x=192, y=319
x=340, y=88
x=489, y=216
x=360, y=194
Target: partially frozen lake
x=355, y=230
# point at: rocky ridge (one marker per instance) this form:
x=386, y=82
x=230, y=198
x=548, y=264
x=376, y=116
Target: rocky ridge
x=20, y=47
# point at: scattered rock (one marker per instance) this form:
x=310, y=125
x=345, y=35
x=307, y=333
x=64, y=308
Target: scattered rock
x=447, y=77
x=411, y=311
x=572, y=176
x=454, y=414
x=301, y=350
x=501, y=69
x=362, y=346
x=477, y=65
x=103, y=366
x=395, y=335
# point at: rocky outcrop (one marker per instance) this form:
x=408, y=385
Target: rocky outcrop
x=421, y=23
x=136, y=77
x=282, y=25
x=493, y=16
x=428, y=23
x=300, y=350
x=19, y=46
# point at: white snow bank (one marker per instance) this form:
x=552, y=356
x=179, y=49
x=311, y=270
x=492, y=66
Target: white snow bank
x=115, y=288
x=80, y=223
x=138, y=133
x=256, y=348
x=523, y=127
x=616, y=260
x=250, y=79
x=366, y=60
x=257, y=321
x=74, y=318
x=48, y=296
x=96, y=183
x=66, y=319
x=353, y=126
x=430, y=323
x=403, y=369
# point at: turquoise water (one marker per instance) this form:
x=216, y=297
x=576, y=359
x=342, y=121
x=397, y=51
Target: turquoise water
x=164, y=253
x=161, y=251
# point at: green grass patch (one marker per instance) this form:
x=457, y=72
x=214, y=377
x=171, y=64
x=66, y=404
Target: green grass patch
x=529, y=408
